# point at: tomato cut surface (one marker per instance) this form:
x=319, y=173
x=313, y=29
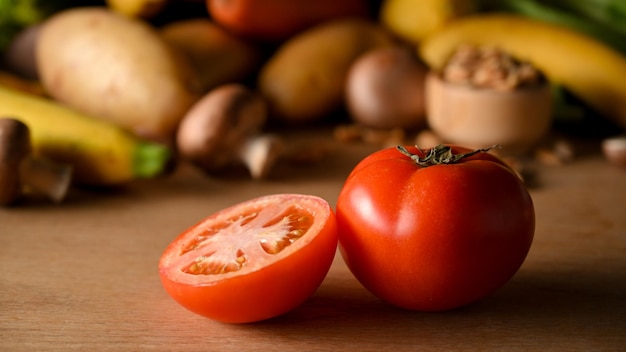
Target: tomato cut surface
x=252, y=261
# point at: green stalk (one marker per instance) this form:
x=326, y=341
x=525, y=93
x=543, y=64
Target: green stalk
x=440, y=155
x=151, y=160
x=611, y=13
x=551, y=14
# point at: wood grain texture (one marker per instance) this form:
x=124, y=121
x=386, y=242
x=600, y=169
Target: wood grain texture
x=81, y=276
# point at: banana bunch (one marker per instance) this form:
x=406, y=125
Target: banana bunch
x=589, y=68
x=101, y=154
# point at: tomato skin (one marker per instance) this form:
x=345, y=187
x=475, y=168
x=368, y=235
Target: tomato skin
x=265, y=292
x=433, y=238
x=277, y=20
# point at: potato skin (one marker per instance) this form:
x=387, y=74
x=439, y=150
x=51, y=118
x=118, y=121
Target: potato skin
x=304, y=80
x=218, y=56
x=115, y=68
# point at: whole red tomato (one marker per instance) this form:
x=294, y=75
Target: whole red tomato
x=277, y=20
x=434, y=229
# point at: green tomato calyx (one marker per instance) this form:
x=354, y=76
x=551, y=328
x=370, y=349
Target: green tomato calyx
x=440, y=154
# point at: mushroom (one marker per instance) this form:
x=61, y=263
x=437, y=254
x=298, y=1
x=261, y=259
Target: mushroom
x=223, y=129
x=614, y=149
x=20, y=171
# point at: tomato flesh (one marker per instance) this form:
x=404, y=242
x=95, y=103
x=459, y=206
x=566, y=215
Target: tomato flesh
x=252, y=261
x=437, y=237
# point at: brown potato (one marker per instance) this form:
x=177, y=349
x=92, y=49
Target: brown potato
x=218, y=56
x=304, y=80
x=115, y=68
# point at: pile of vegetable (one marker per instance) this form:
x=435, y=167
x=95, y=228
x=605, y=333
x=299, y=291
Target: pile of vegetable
x=105, y=94
x=141, y=72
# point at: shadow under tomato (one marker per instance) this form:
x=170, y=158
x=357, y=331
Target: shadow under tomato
x=553, y=303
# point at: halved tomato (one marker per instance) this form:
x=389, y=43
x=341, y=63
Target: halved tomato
x=254, y=260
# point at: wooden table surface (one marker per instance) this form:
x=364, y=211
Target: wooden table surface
x=82, y=275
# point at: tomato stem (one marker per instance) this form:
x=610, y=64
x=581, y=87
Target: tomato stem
x=440, y=154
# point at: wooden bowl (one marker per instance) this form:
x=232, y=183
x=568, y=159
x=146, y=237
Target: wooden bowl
x=477, y=118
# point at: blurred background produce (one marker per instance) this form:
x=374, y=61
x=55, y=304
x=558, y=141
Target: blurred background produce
x=115, y=68
x=415, y=20
x=614, y=149
x=304, y=79
x=142, y=68
x=223, y=129
x=100, y=152
x=385, y=89
x=137, y=8
x=217, y=56
x=278, y=20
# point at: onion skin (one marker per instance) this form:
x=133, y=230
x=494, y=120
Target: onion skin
x=385, y=89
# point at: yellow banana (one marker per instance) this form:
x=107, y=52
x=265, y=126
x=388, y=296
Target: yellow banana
x=413, y=20
x=101, y=153
x=137, y=8
x=591, y=70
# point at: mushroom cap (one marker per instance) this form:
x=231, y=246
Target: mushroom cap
x=14, y=147
x=215, y=127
